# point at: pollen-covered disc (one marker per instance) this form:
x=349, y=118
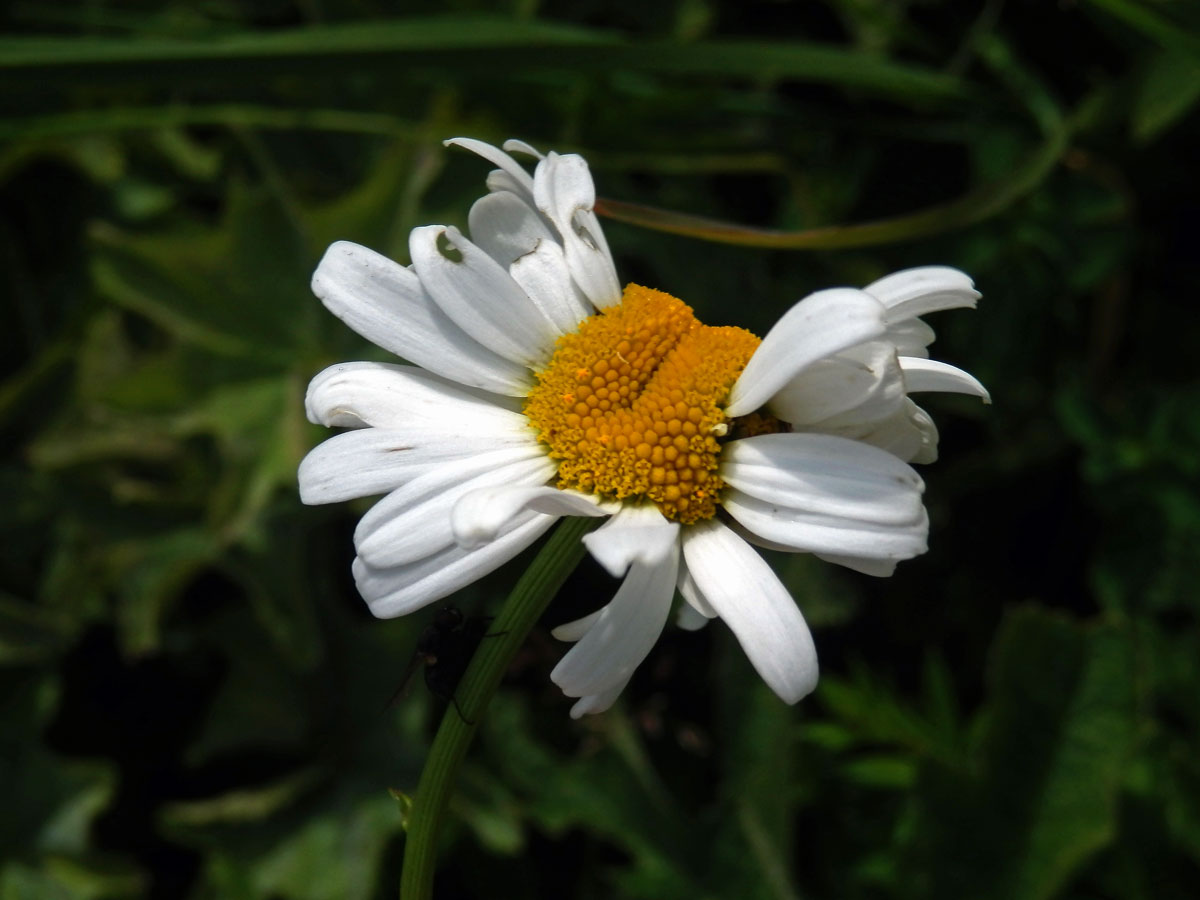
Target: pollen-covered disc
x=631, y=403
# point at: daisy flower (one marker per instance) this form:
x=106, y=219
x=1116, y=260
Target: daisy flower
x=538, y=388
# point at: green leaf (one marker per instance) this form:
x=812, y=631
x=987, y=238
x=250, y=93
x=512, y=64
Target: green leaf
x=1168, y=91
x=240, y=290
x=1040, y=797
x=335, y=850
x=51, y=801
x=262, y=432
x=251, y=804
x=31, y=632
x=825, y=596
x=599, y=793
x=69, y=878
x=873, y=713
x=491, y=811
x=51, y=804
x=145, y=285
x=150, y=573
x=258, y=701
x=380, y=211
x=752, y=847
x=886, y=771
x=336, y=855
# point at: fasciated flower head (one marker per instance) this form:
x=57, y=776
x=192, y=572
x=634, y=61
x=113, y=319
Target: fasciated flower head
x=631, y=404
x=540, y=389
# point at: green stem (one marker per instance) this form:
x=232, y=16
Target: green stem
x=524, y=606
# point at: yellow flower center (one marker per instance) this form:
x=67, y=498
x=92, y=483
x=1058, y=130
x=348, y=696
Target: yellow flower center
x=631, y=403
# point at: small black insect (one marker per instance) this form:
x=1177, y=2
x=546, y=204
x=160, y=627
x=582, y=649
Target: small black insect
x=445, y=649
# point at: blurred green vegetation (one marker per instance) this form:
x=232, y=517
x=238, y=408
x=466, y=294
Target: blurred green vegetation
x=196, y=701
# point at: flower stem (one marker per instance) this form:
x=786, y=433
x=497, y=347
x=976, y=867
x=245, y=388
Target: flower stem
x=561, y=553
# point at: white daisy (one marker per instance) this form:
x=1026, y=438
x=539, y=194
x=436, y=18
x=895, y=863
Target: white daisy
x=539, y=389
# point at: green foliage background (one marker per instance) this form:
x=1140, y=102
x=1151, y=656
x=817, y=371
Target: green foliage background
x=196, y=701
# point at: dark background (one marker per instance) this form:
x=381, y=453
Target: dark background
x=195, y=699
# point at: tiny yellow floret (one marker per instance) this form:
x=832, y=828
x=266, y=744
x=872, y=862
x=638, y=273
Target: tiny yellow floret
x=631, y=404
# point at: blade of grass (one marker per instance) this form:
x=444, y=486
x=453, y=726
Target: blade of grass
x=441, y=42
x=1152, y=25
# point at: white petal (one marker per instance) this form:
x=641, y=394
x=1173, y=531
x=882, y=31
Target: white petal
x=562, y=185
x=923, y=424
x=354, y=464
x=826, y=476
x=815, y=533
x=690, y=591
x=477, y=294
x=623, y=633
x=910, y=337
x=500, y=182
x=826, y=388
x=385, y=395
x=543, y=274
x=398, y=590
x=385, y=303
x=907, y=432
x=880, y=568
x=862, y=383
x=758, y=609
x=931, y=375
x=370, y=461
x=598, y=703
x=414, y=521
x=689, y=618
x=574, y=630
x=563, y=190
x=634, y=534
x=481, y=514
x=915, y=292
x=601, y=286
x=877, y=567
x=820, y=325
x=512, y=145
x=497, y=157
x=506, y=227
